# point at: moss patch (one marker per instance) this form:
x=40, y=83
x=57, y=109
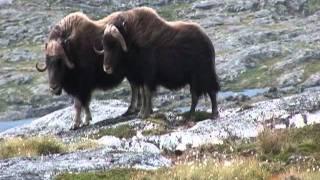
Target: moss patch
x=311, y=68
x=313, y=6
x=121, y=131
x=155, y=132
x=258, y=77
x=197, y=116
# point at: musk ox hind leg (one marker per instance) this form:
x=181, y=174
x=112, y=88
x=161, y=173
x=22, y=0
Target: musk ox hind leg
x=213, y=98
x=135, y=101
x=77, y=118
x=194, y=102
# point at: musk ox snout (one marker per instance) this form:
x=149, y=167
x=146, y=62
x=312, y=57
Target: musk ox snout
x=55, y=89
x=107, y=69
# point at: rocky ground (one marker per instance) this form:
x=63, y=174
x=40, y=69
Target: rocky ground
x=149, y=140
x=273, y=45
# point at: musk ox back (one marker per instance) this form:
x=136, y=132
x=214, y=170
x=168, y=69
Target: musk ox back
x=155, y=52
x=73, y=65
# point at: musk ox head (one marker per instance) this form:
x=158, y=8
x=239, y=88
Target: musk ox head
x=113, y=47
x=57, y=63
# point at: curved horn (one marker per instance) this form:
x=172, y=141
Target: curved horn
x=66, y=48
x=41, y=69
x=116, y=33
x=100, y=52
x=68, y=62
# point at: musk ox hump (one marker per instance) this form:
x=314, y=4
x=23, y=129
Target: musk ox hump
x=54, y=48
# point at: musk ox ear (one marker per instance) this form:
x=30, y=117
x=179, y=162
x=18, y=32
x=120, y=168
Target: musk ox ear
x=113, y=31
x=66, y=47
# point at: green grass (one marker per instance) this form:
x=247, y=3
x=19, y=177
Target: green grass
x=155, y=132
x=121, y=131
x=36, y=146
x=311, y=68
x=3, y=105
x=313, y=6
x=115, y=174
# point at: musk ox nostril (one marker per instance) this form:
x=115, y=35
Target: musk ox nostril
x=107, y=69
x=53, y=87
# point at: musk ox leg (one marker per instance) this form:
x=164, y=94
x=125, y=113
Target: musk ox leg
x=88, y=116
x=146, y=108
x=139, y=100
x=77, y=118
x=143, y=102
x=194, y=102
x=213, y=98
x=133, y=108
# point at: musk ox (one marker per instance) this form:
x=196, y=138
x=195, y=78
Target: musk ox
x=74, y=67
x=155, y=52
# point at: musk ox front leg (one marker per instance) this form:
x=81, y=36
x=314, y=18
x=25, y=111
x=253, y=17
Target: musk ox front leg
x=77, y=118
x=78, y=106
x=135, y=100
x=146, y=108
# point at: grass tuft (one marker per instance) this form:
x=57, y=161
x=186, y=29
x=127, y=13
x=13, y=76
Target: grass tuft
x=280, y=145
x=240, y=170
x=14, y=147
x=121, y=131
x=36, y=146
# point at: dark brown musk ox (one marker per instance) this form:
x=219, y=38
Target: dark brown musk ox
x=73, y=65
x=156, y=52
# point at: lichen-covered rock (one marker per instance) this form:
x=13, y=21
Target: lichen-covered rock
x=46, y=167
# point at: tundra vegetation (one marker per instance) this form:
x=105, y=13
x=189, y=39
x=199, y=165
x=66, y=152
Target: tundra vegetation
x=274, y=154
x=41, y=146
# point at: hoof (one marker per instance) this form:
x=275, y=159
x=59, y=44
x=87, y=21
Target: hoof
x=215, y=115
x=87, y=123
x=130, y=111
x=75, y=127
x=143, y=115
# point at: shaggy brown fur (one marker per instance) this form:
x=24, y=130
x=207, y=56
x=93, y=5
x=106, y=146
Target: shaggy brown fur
x=74, y=66
x=157, y=52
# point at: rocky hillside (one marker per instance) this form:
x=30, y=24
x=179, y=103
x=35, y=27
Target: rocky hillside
x=258, y=44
